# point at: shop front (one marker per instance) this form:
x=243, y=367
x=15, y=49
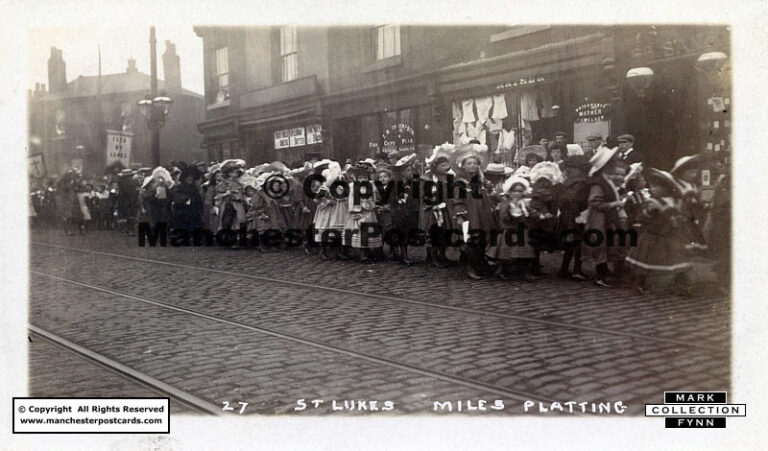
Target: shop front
x=384, y=124
x=517, y=100
x=291, y=141
x=222, y=139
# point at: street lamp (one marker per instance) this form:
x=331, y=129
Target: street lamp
x=640, y=79
x=154, y=107
x=155, y=111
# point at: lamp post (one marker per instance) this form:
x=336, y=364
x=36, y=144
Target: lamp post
x=154, y=107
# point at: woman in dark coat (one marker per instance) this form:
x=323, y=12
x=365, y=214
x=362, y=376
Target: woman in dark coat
x=186, y=202
x=127, y=200
x=476, y=208
x=405, y=208
x=435, y=208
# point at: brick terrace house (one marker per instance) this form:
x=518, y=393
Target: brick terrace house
x=291, y=93
x=67, y=121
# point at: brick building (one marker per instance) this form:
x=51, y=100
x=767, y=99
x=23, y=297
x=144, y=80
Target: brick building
x=68, y=122
x=390, y=89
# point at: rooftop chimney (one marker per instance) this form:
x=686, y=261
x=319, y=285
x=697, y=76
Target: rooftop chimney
x=57, y=71
x=131, y=65
x=171, y=68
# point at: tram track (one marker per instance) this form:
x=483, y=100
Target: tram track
x=458, y=380
x=710, y=348
x=176, y=395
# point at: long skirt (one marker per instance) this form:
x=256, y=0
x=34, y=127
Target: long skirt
x=354, y=227
x=658, y=252
x=331, y=217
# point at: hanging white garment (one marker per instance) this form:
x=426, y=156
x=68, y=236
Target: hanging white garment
x=483, y=105
x=506, y=140
x=468, y=111
x=499, y=107
x=494, y=125
x=529, y=111
x=480, y=132
x=472, y=129
x=456, y=110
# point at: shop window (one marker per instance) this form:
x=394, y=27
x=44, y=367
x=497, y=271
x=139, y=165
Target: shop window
x=288, y=53
x=387, y=41
x=372, y=135
x=222, y=75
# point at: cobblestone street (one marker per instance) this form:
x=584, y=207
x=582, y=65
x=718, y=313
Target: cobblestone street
x=273, y=328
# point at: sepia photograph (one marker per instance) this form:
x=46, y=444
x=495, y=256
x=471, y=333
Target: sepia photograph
x=501, y=222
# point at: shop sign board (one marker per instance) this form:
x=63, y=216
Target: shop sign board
x=592, y=112
x=282, y=139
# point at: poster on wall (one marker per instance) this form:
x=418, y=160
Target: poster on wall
x=297, y=137
x=315, y=134
x=119, y=147
x=282, y=139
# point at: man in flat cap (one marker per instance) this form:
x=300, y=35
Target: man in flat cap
x=628, y=153
x=595, y=141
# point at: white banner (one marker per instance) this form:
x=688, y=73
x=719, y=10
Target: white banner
x=119, y=147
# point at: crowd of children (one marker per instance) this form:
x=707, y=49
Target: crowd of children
x=370, y=210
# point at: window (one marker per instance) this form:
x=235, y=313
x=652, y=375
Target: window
x=222, y=75
x=288, y=53
x=387, y=39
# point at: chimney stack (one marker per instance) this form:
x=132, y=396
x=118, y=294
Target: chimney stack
x=57, y=71
x=131, y=65
x=171, y=68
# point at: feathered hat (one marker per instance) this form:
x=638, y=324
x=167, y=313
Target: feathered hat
x=514, y=180
x=161, y=173
x=523, y=171
x=256, y=170
x=439, y=152
x=228, y=165
x=548, y=170
x=278, y=166
x=331, y=173
x=248, y=180
x=464, y=152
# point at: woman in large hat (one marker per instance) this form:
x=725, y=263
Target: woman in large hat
x=474, y=211
x=604, y=213
x=186, y=202
x=155, y=197
x=435, y=210
x=405, y=210
x=331, y=213
x=229, y=199
x=660, y=249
